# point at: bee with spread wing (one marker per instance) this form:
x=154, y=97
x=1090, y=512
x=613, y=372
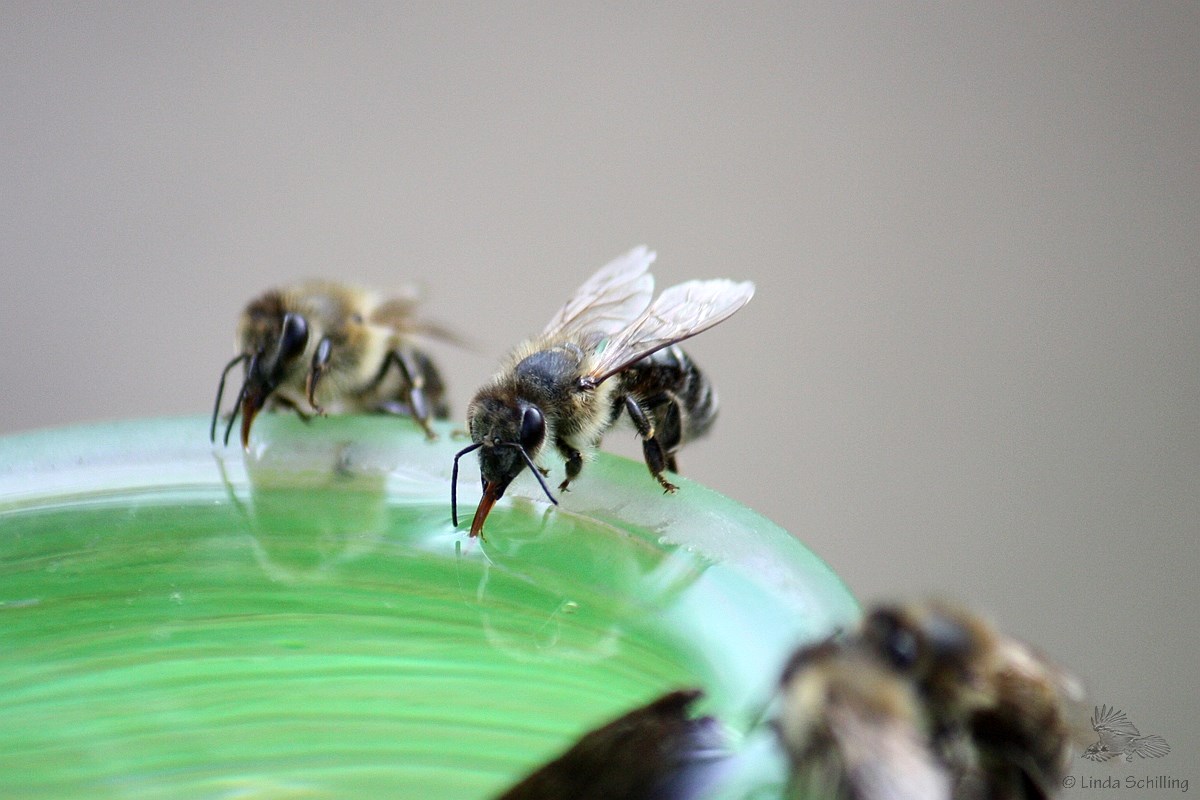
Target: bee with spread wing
x=608, y=350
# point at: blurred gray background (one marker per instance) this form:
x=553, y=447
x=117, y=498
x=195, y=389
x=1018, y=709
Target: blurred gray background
x=971, y=367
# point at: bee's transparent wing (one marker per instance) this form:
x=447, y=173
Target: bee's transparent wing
x=609, y=300
x=679, y=313
x=398, y=312
x=401, y=314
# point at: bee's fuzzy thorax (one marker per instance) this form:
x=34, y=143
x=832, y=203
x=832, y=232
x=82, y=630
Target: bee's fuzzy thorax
x=353, y=357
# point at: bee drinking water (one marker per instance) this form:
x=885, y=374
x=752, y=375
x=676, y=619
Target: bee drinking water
x=321, y=347
x=608, y=350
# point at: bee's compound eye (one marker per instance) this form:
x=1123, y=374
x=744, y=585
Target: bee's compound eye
x=900, y=648
x=293, y=338
x=892, y=639
x=533, y=428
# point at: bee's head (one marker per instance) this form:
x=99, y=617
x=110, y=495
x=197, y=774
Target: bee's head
x=508, y=433
x=273, y=345
x=504, y=429
x=937, y=647
x=270, y=366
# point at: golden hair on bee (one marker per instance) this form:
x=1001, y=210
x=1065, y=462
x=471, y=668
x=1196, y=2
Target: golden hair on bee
x=323, y=347
x=1005, y=718
x=608, y=351
x=852, y=729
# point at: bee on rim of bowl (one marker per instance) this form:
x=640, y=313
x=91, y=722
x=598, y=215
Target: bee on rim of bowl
x=608, y=350
x=320, y=347
x=853, y=729
x=1004, y=719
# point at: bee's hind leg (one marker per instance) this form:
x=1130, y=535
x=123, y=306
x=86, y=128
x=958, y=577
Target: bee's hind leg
x=418, y=405
x=657, y=443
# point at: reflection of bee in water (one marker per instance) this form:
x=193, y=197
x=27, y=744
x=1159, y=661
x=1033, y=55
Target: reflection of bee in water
x=853, y=729
x=656, y=751
x=556, y=387
x=1003, y=718
x=322, y=346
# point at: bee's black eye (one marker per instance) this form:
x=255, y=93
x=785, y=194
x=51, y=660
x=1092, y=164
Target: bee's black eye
x=893, y=641
x=293, y=338
x=533, y=428
x=900, y=648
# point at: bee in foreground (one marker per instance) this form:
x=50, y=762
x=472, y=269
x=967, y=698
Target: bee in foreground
x=855, y=730
x=323, y=347
x=608, y=350
x=655, y=752
x=1004, y=719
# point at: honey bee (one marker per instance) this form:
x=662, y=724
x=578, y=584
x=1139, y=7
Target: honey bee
x=855, y=730
x=1003, y=718
x=655, y=752
x=320, y=346
x=608, y=350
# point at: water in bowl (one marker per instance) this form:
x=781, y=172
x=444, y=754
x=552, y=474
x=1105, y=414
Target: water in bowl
x=305, y=620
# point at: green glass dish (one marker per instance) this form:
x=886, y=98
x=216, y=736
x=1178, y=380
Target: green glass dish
x=179, y=620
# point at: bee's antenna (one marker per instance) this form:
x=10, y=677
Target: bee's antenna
x=212, y=431
x=454, y=480
x=533, y=468
x=237, y=407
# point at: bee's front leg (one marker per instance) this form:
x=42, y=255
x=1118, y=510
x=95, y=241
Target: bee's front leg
x=320, y=362
x=287, y=403
x=574, y=462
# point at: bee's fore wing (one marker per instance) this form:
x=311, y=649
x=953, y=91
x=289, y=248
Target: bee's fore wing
x=609, y=300
x=679, y=313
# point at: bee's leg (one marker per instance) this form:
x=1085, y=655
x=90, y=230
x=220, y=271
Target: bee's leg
x=395, y=408
x=415, y=380
x=320, y=362
x=434, y=388
x=574, y=462
x=652, y=448
x=670, y=430
x=283, y=401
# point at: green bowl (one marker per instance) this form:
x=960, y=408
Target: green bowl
x=179, y=620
